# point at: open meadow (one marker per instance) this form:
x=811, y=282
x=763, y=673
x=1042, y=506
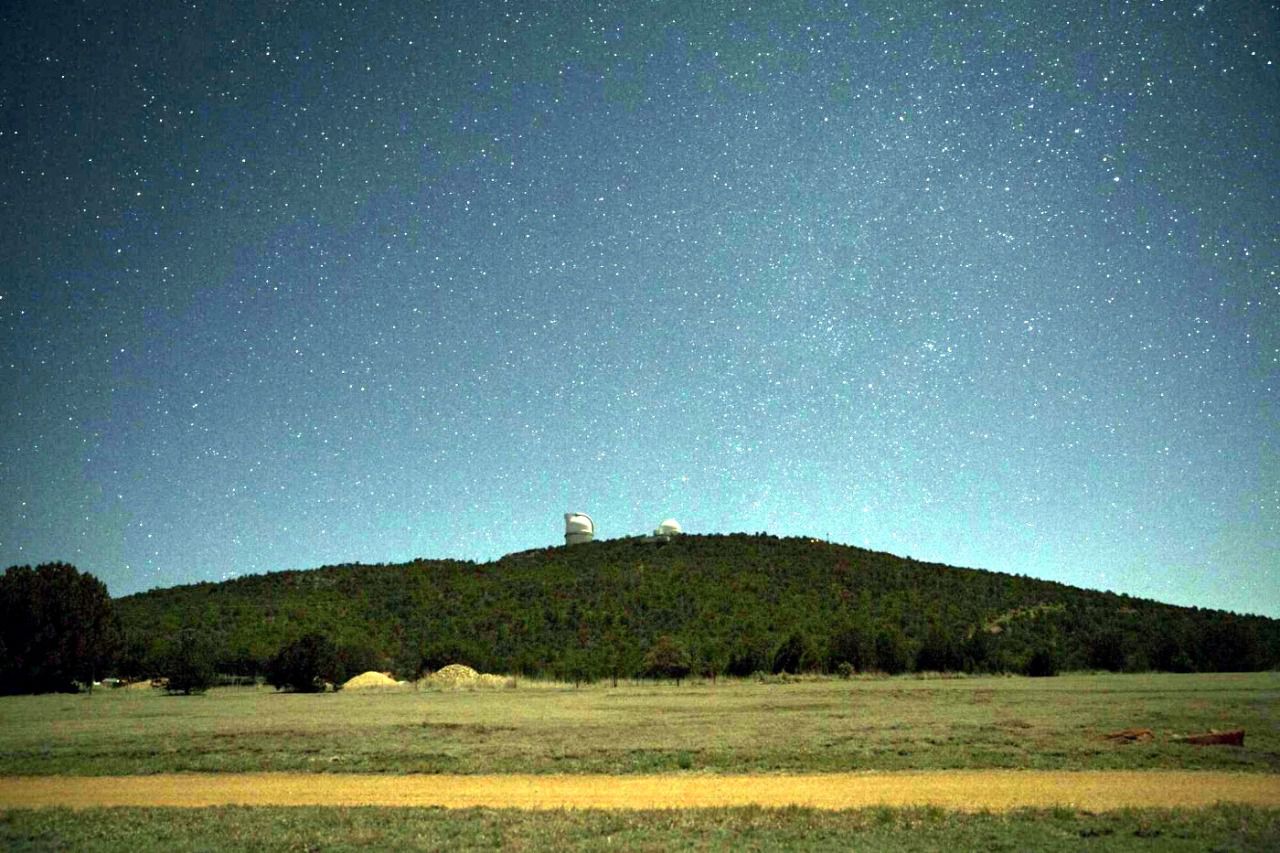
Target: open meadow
x=253, y=829
x=727, y=727
x=692, y=731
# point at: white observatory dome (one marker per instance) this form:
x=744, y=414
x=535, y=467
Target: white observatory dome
x=670, y=527
x=578, y=528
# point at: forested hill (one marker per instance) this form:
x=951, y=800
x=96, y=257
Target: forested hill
x=737, y=603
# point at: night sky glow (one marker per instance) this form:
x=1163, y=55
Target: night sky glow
x=991, y=284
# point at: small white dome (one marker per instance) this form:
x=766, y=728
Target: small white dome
x=669, y=527
x=577, y=522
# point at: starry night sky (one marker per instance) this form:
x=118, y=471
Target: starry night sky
x=991, y=284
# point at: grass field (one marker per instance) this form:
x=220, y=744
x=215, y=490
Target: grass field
x=238, y=828
x=813, y=726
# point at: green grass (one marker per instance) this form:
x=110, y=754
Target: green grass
x=240, y=828
x=888, y=724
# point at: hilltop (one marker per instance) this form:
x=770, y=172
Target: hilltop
x=737, y=603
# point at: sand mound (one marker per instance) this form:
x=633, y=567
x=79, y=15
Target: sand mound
x=370, y=680
x=455, y=675
x=460, y=675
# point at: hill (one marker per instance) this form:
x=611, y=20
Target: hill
x=738, y=603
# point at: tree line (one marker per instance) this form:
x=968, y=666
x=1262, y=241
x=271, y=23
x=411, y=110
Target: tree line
x=698, y=605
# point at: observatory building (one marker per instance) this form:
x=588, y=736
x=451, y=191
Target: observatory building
x=668, y=528
x=578, y=528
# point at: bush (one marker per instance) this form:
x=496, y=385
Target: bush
x=845, y=670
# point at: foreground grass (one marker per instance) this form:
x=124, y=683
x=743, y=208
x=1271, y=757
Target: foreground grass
x=889, y=724
x=238, y=828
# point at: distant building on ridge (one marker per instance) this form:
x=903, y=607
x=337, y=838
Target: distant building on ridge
x=578, y=528
x=667, y=529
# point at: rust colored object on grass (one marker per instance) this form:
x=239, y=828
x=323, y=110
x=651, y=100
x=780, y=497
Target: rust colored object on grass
x=1129, y=735
x=1212, y=738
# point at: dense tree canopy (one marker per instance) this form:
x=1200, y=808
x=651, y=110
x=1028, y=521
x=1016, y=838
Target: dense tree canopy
x=57, y=628
x=731, y=602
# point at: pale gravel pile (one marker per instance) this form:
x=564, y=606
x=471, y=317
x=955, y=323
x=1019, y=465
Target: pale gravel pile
x=371, y=680
x=454, y=675
x=461, y=675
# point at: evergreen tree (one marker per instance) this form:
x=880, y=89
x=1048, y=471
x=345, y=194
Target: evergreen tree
x=1043, y=662
x=976, y=651
x=796, y=654
x=57, y=628
x=891, y=650
x=746, y=657
x=1106, y=650
x=939, y=652
x=853, y=643
x=305, y=665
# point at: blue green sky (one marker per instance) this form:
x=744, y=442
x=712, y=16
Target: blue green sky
x=990, y=284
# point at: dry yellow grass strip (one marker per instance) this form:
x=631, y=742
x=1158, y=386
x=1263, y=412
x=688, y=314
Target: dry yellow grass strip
x=965, y=790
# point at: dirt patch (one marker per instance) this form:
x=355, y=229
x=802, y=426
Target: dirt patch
x=962, y=790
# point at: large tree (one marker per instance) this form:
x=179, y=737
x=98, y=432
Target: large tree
x=305, y=665
x=57, y=629
x=189, y=667
x=667, y=658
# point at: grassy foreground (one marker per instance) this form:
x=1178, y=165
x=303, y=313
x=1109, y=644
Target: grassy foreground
x=239, y=828
x=888, y=724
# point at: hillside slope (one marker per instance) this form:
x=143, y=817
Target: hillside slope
x=737, y=603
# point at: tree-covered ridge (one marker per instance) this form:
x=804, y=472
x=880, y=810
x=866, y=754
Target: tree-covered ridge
x=737, y=603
